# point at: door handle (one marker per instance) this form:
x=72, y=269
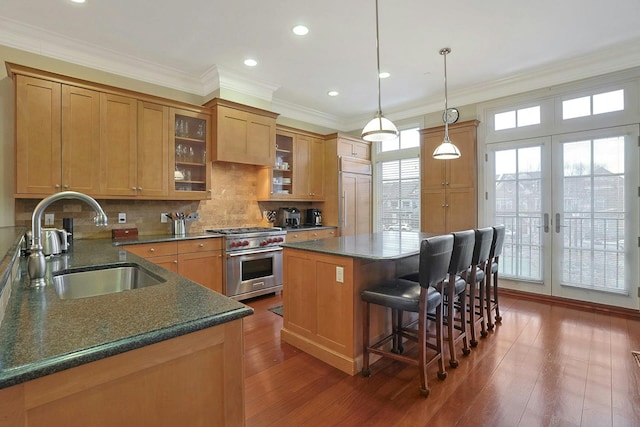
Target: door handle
x=558, y=223
x=546, y=223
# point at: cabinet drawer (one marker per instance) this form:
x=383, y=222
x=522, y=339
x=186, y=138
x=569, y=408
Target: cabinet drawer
x=298, y=236
x=147, y=250
x=199, y=245
x=322, y=234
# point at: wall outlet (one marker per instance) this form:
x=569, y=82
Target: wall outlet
x=340, y=274
x=49, y=218
x=122, y=218
x=163, y=217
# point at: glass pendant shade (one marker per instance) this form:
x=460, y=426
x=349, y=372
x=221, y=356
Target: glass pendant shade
x=446, y=150
x=379, y=129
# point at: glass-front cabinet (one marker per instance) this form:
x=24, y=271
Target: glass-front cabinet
x=190, y=133
x=282, y=176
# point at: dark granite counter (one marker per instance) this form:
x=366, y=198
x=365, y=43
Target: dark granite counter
x=42, y=334
x=387, y=245
x=307, y=228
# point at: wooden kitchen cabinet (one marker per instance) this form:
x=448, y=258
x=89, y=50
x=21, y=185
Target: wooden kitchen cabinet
x=57, y=138
x=348, y=184
x=298, y=171
x=192, y=379
x=243, y=134
x=105, y=142
x=190, y=154
x=133, y=147
x=199, y=260
x=353, y=147
x=449, y=187
x=310, y=234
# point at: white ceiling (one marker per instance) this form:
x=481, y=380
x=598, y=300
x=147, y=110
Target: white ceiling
x=499, y=47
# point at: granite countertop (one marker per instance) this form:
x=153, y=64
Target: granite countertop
x=306, y=227
x=387, y=245
x=42, y=334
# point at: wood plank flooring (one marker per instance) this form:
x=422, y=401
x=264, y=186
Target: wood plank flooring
x=546, y=365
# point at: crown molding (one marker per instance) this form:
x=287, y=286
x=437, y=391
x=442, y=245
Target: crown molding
x=308, y=115
x=219, y=77
x=53, y=45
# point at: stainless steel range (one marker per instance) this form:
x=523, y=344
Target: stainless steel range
x=253, y=261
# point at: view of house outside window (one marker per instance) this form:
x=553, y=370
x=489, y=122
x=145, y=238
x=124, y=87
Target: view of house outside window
x=398, y=183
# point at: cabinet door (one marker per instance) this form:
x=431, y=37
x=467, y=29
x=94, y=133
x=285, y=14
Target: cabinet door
x=433, y=211
x=38, y=144
x=204, y=268
x=353, y=148
x=244, y=137
x=169, y=262
x=189, y=155
x=152, y=157
x=118, y=133
x=80, y=140
x=302, y=151
x=356, y=204
x=461, y=172
x=461, y=209
x=316, y=170
x=433, y=171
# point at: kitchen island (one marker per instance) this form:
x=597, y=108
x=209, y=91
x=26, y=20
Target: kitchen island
x=168, y=354
x=322, y=283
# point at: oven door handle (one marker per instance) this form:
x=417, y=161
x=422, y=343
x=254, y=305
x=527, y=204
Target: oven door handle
x=262, y=251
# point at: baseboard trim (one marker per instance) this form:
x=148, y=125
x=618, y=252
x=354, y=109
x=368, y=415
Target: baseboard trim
x=578, y=305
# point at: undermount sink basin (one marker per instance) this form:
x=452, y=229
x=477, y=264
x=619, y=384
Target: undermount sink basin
x=94, y=281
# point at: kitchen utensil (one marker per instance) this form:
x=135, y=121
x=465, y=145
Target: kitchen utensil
x=178, y=227
x=51, y=244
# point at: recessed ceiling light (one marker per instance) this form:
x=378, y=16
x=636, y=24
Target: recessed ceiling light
x=250, y=62
x=78, y=1
x=384, y=75
x=333, y=93
x=300, y=30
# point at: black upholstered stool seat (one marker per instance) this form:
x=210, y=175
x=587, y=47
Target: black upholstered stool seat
x=401, y=294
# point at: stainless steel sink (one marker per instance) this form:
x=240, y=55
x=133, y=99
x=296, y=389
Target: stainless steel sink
x=94, y=281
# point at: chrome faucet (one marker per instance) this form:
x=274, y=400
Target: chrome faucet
x=36, y=264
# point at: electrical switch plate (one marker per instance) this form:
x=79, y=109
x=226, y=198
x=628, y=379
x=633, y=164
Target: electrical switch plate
x=49, y=218
x=163, y=217
x=340, y=274
x=122, y=218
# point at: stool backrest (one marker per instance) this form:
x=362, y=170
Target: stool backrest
x=463, y=242
x=482, y=247
x=498, y=241
x=435, y=256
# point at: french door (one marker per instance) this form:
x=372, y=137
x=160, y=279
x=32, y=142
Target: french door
x=569, y=204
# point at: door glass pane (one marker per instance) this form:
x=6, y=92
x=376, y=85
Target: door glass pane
x=594, y=211
x=518, y=205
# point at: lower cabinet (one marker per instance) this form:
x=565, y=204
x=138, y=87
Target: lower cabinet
x=193, y=379
x=199, y=260
x=302, y=235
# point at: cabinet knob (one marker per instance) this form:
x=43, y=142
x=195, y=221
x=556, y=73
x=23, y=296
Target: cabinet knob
x=133, y=188
x=175, y=261
x=443, y=205
x=442, y=183
x=201, y=245
x=65, y=186
x=446, y=183
x=446, y=206
x=139, y=188
x=57, y=185
x=152, y=250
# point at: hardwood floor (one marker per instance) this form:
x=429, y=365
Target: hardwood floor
x=546, y=365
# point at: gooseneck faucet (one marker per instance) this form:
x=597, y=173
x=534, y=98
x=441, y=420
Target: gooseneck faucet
x=36, y=264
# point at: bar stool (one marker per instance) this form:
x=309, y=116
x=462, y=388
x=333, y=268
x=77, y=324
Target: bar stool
x=418, y=297
x=475, y=278
x=454, y=297
x=492, y=275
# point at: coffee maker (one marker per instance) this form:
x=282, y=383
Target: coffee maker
x=289, y=217
x=314, y=217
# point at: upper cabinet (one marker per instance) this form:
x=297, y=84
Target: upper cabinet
x=106, y=142
x=353, y=147
x=243, y=134
x=298, y=170
x=449, y=187
x=190, y=136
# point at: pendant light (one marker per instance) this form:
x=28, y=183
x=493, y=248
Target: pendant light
x=446, y=150
x=379, y=128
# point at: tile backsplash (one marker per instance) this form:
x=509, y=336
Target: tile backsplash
x=233, y=204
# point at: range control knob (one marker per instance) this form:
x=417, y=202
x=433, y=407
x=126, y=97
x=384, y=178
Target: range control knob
x=245, y=243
